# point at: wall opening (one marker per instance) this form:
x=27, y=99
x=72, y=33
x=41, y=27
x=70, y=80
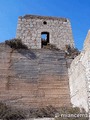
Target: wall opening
x=45, y=23
x=44, y=39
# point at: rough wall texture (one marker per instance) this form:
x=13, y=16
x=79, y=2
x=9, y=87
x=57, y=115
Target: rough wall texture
x=34, y=78
x=30, y=27
x=87, y=42
x=79, y=77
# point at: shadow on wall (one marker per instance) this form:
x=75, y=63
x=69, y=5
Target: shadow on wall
x=16, y=44
x=29, y=54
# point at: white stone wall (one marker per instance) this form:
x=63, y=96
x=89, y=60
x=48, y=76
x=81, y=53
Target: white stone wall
x=30, y=27
x=78, y=81
x=79, y=77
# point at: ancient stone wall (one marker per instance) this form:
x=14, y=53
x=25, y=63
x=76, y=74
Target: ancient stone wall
x=30, y=27
x=79, y=77
x=34, y=78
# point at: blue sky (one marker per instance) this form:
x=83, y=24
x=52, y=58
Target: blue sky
x=78, y=11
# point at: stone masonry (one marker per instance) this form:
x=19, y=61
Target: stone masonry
x=79, y=78
x=30, y=29
x=36, y=78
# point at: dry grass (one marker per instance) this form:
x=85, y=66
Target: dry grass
x=8, y=113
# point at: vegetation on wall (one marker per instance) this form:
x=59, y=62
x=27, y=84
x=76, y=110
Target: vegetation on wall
x=51, y=47
x=71, y=51
x=16, y=44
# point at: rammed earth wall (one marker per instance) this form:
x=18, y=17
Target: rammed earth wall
x=30, y=27
x=34, y=78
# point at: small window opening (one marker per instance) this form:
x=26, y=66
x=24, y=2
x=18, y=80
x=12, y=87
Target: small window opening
x=65, y=20
x=44, y=39
x=44, y=22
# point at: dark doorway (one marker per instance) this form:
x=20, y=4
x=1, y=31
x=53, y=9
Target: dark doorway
x=44, y=39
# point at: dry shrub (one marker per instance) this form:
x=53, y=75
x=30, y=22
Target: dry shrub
x=8, y=113
x=51, y=47
x=72, y=111
x=71, y=52
x=16, y=44
x=48, y=111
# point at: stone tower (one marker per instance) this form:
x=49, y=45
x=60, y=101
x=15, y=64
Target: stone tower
x=36, y=78
x=57, y=31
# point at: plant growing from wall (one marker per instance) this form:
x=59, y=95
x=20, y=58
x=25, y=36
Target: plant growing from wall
x=51, y=47
x=71, y=51
x=16, y=44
